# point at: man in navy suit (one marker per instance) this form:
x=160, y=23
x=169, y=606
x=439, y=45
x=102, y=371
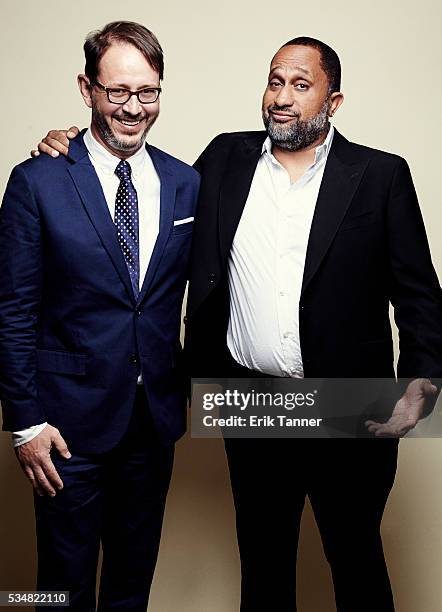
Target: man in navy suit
x=93, y=261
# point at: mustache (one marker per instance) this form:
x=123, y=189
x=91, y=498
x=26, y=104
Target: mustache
x=284, y=109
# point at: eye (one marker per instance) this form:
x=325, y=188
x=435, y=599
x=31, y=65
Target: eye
x=118, y=93
x=273, y=84
x=302, y=86
x=147, y=95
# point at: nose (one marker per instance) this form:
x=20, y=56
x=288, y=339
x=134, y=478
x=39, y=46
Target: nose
x=132, y=106
x=285, y=96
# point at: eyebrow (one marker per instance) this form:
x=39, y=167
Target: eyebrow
x=125, y=86
x=298, y=68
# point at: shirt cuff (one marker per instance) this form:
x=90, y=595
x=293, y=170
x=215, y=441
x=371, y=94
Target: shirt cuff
x=25, y=435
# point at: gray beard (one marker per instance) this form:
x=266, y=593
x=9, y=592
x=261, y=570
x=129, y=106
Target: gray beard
x=299, y=134
x=109, y=137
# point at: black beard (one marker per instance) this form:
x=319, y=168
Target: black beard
x=298, y=134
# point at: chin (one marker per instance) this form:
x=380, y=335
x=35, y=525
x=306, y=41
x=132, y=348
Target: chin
x=128, y=142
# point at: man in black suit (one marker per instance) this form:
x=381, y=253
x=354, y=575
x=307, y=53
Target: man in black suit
x=301, y=240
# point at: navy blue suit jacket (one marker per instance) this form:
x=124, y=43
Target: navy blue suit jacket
x=72, y=337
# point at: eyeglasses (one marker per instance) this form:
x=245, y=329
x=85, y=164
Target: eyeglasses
x=118, y=95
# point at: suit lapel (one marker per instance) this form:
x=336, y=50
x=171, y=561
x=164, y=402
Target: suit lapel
x=92, y=197
x=341, y=179
x=235, y=188
x=167, y=207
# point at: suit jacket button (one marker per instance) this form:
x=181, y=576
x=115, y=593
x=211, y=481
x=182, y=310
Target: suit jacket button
x=211, y=277
x=133, y=359
x=138, y=312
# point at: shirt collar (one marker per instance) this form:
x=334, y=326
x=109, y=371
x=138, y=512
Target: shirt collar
x=321, y=151
x=107, y=162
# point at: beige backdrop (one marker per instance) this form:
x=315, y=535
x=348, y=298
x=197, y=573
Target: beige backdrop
x=217, y=57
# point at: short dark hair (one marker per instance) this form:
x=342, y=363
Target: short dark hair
x=128, y=32
x=329, y=59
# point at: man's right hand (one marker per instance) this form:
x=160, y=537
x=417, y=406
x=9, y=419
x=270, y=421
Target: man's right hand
x=35, y=460
x=56, y=142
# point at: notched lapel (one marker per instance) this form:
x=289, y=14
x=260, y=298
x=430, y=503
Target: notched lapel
x=167, y=208
x=94, y=202
x=235, y=187
x=339, y=184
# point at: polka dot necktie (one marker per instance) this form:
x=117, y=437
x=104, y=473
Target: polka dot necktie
x=126, y=221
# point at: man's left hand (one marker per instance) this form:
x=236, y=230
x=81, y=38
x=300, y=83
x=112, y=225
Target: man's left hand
x=417, y=401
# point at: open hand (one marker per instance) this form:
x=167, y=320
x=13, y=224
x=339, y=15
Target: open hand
x=419, y=397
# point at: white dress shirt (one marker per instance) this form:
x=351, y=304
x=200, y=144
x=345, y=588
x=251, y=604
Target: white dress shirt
x=148, y=187
x=266, y=265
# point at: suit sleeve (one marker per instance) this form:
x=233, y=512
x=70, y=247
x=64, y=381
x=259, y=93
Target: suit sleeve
x=415, y=291
x=20, y=289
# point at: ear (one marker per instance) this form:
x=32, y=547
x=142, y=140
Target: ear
x=85, y=87
x=335, y=101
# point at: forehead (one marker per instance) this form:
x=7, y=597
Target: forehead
x=298, y=58
x=124, y=64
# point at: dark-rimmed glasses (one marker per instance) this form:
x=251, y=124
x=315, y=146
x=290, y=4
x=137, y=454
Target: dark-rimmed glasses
x=119, y=95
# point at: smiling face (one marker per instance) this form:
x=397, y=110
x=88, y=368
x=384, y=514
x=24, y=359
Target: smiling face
x=121, y=128
x=297, y=103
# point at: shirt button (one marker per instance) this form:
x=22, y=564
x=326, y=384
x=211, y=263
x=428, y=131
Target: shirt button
x=282, y=293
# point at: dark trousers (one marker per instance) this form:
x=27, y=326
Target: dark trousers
x=117, y=498
x=347, y=481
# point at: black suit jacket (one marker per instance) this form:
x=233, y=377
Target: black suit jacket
x=367, y=247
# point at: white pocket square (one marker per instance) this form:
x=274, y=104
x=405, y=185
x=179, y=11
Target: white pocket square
x=181, y=221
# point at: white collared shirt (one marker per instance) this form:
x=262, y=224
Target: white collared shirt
x=148, y=187
x=266, y=265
